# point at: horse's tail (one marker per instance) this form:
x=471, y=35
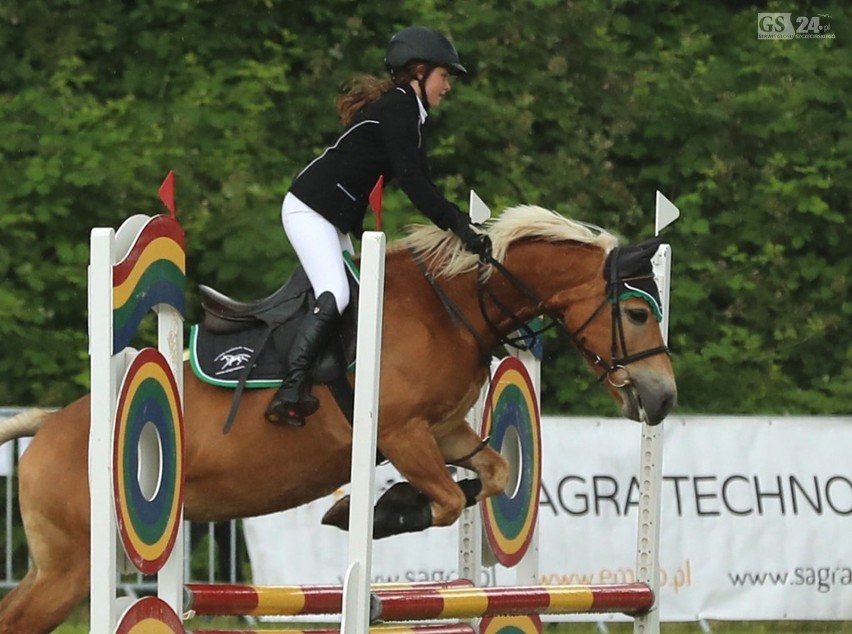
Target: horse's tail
x=24, y=424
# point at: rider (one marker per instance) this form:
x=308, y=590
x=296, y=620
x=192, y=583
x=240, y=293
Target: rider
x=384, y=124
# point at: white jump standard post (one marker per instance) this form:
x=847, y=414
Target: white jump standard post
x=103, y=375
x=651, y=459
x=355, y=618
x=136, y=427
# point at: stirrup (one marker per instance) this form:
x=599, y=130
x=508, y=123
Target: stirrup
x=291, y=413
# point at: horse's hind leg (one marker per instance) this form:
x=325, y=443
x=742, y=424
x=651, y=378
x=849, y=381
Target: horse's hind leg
x=55, y=509
x=56, y=583
x=42, y=601
x=20, y=589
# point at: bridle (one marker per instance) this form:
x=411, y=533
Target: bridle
x=528, y=333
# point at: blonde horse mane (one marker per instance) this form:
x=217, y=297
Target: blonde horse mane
x=447, y=257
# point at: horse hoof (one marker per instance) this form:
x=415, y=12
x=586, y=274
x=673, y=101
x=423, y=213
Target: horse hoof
x=338, y=515
x=400, y=496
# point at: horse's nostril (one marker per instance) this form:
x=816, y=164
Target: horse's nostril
x=666, y=405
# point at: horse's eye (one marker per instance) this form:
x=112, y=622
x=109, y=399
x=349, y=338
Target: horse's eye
x=638, y=315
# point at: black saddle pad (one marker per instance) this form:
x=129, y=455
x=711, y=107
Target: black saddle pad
x=219, y=359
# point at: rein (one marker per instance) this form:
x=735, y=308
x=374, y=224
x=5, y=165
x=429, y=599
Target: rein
x=612, y=297
x=527, y=333
x=456, y=314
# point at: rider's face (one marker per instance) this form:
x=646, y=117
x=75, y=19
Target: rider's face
x=437, y=85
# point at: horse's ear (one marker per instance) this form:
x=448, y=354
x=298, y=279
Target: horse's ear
x=633, y=260
x=649, y=247
x=631, y=271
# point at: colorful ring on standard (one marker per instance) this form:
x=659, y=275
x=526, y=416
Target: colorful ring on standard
x=148, y=396
x=510, y=521
x=152, y=273
x=518, y=624
x=150, y=615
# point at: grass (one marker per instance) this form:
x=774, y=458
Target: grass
x=78, y=624
x=717, y=627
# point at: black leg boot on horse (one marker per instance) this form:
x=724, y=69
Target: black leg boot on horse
x=293, y=402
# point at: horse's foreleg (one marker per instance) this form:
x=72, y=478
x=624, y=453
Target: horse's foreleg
x=412, y=449
x=463, y=447
x=430, y=497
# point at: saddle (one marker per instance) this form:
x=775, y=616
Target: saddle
x=245, y=344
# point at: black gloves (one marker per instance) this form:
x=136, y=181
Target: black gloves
x=475, y=242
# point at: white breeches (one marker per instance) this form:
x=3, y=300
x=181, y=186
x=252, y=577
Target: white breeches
x=319, y=246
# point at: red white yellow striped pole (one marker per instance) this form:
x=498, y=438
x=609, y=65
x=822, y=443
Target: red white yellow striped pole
x=248, y=600
x=468, y=603
x=440, y=628
x=451, y=600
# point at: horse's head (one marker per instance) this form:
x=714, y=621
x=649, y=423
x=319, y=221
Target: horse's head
x=617, y=330
x=604, y=296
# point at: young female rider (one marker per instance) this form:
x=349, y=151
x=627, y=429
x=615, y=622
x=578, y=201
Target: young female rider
x=383, y=136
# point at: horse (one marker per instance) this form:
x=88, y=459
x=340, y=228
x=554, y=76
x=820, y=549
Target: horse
x=444, y=311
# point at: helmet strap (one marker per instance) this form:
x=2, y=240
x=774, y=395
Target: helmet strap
x=422, y=83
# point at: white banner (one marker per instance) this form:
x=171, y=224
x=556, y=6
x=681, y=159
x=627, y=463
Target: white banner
x=756, y=520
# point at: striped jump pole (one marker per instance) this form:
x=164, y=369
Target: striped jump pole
x=248, y=600
x=470, y=603
x=438, y=628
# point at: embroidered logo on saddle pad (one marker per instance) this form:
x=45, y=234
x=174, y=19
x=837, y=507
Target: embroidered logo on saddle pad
x=232, y=360
x=220, y=359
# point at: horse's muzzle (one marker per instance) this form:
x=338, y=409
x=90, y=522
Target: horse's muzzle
x=648, y=401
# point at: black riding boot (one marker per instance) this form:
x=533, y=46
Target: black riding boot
x=293, y=401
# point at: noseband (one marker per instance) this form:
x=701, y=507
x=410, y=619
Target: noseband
x=527, y=334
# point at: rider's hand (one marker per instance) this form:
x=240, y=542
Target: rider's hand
x=474, y=241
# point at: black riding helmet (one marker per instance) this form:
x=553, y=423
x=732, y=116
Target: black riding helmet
x=422, y=44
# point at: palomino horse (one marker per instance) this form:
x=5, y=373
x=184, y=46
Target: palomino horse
x=439, y=328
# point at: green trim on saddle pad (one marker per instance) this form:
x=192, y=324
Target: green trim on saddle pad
x=349, y=261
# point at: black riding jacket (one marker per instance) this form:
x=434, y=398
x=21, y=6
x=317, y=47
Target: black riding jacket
x=385, y=138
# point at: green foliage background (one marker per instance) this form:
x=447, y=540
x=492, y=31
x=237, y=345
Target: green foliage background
x=586, y=108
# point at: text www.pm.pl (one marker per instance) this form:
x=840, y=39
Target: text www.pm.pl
x=676, y=579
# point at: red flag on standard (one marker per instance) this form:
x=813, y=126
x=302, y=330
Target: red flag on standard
x=167, y=192
x=376, y=200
